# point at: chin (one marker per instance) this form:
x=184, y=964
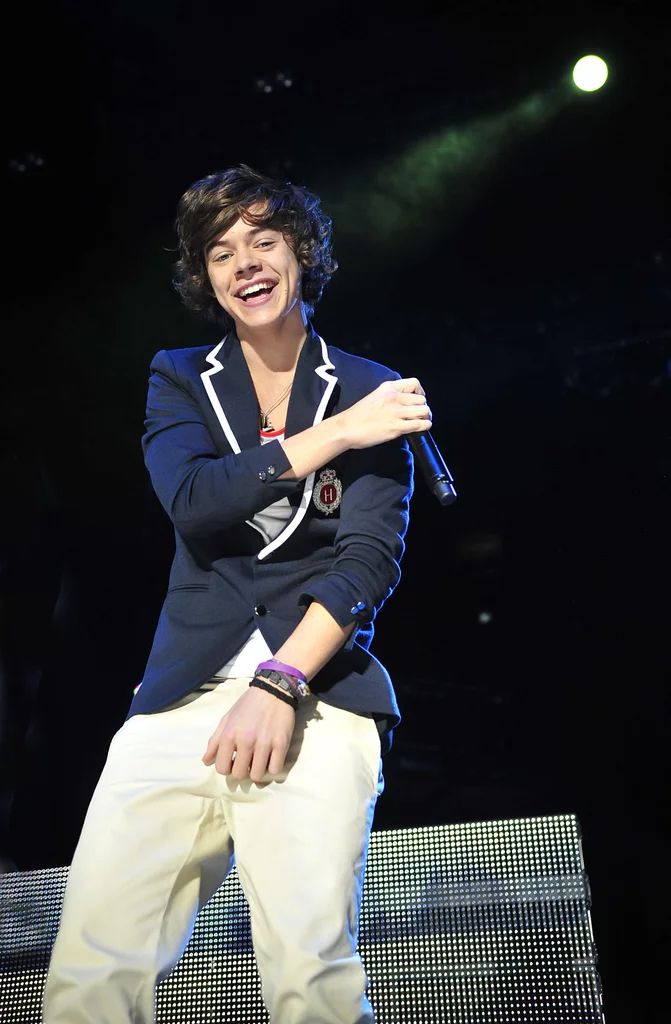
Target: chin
x=261, y=318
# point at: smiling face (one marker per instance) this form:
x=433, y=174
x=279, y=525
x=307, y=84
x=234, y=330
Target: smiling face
x=255, y=276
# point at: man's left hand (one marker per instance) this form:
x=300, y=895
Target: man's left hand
x=252, y=739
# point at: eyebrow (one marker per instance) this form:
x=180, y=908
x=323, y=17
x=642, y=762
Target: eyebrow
x=249, y=234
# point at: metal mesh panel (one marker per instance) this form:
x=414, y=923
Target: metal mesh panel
x=30, y=909
x=216, y=981
x=478, y=923
x=470, y=923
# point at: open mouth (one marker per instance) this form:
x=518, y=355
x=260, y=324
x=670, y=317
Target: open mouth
x=255, y=294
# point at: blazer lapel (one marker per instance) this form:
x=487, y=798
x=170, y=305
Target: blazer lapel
x=229, y=387
x=230, y=390
x=312, y=389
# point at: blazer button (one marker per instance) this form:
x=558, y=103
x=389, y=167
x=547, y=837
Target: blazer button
x=260, y=609
x=262, y=477
x=271, y=471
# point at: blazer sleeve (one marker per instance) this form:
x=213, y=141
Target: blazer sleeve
x=369, y=544
x=202, y=491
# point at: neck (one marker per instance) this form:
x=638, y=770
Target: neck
x=274, y=348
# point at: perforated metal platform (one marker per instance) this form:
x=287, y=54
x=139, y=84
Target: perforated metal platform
x=478, y=923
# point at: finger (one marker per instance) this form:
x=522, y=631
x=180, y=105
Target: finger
x=242, y=763
x=416, y=426
x=211, y=749
x=411, y=398
x=277, y=758
x=415, y=412
x=225, y=756
x=213, y=743
x=410, y=384
x=259, y=767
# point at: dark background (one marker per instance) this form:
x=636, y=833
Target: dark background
x=501, y=236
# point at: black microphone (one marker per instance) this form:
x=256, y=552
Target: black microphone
x=433, y=467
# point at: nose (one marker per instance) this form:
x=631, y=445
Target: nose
x=248, y=262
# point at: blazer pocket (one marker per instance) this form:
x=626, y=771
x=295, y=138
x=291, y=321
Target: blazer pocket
x=189, y=586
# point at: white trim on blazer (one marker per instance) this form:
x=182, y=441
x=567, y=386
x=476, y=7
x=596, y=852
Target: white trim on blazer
x=331, y=381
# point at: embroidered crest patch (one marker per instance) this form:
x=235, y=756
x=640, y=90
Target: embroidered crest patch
x=327, y=492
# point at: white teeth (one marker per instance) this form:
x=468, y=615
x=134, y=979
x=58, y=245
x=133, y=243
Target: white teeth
x=254, y=289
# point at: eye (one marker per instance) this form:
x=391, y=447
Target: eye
x=221, y=257
x=266, y=243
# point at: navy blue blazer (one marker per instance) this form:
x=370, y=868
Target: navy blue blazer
x=211, y=475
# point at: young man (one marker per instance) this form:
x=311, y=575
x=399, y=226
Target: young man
x=258, y=726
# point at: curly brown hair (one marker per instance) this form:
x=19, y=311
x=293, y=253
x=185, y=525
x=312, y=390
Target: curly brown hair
x=212, y=205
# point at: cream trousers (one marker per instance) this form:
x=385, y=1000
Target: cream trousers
x=159, y=839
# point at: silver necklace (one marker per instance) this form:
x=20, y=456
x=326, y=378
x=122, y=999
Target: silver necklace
x=264, y=422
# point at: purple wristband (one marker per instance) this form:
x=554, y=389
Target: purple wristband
x=278, y=666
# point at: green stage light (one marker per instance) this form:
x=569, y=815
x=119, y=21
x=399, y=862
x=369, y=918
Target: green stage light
x=590, y=73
